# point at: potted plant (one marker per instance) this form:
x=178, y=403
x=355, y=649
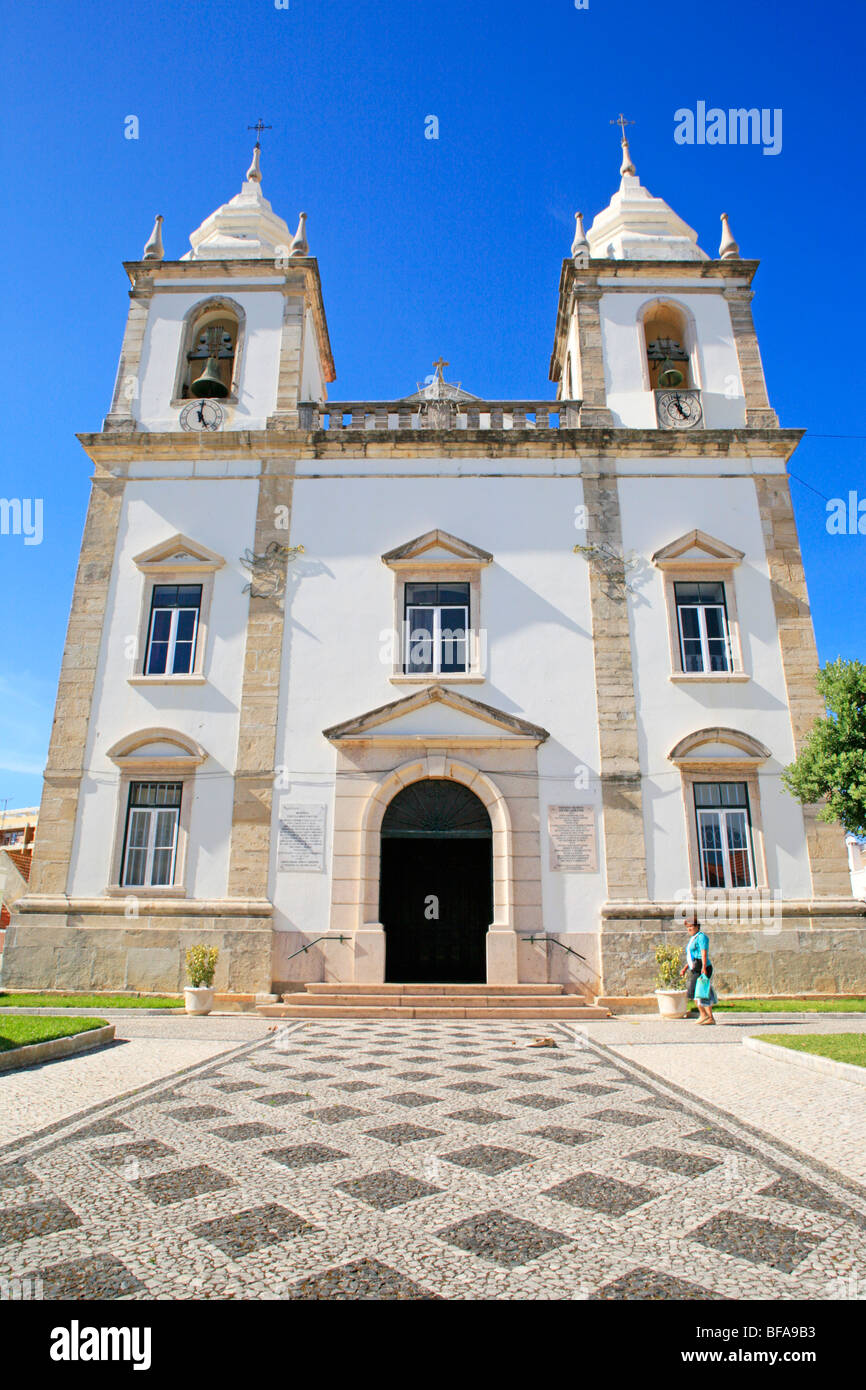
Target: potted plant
x=672, y=998
x=200, y=966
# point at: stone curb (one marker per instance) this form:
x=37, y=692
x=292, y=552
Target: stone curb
x=843, y=1071
x=33, y=1053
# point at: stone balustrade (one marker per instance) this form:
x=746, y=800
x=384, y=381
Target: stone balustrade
x=440, y=414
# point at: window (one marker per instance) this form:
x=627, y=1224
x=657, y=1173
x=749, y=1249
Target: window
x=702, y=623
x=173, y=629
x=435, y=627
x=724, y=834
x=150, y=841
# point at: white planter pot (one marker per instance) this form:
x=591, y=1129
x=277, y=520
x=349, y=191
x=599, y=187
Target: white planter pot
x=673, y=1003
x=198, y=1000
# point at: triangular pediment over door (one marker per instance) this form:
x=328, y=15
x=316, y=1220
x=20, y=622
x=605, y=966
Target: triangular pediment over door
x=437, y=716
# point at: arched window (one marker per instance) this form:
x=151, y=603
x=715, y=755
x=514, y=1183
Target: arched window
x=211, y=350
x=666, y=338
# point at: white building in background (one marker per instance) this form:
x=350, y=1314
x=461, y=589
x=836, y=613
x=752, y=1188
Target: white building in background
x=436, y=687
x=857, y=863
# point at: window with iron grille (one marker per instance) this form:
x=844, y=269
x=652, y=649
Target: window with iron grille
x=150, y=840
x=724, y=834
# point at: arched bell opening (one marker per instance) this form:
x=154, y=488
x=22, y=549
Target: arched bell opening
x=667, y=345
x=436, y=883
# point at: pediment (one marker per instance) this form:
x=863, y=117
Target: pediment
x=178, y=553
x=437, y=547
x=157, y=747
x=719, y=745
x=437, y=715
x=696, y=547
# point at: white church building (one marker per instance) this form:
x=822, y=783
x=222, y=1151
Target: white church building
x=436, y=688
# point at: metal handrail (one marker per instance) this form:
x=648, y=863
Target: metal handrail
x=315, y=943
x=553, y=941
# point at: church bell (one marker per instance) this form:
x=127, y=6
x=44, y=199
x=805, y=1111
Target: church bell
x=670, y=374
x=210, y=383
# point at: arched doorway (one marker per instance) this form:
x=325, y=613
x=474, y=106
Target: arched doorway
x=436, y=884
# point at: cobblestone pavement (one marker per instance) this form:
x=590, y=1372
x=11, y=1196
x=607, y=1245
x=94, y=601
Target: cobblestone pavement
x=420, y=1160
x=822, y=1116
x=148, y=1050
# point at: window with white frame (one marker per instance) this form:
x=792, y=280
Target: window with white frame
x=150, y=840
x=702, y=623
x=436, y=628
x=175, y=610
x=724, y=834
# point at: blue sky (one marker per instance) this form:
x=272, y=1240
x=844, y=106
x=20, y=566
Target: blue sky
x=451, y=246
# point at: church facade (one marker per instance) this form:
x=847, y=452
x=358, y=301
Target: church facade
x=436, y=688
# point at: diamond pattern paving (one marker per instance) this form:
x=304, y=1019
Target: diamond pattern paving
x=473, y=1166
x=387, y=1190
x=245, y=1231
x=505, y=1239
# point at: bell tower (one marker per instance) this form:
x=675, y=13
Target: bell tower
x=237, y=324
x=651, y=332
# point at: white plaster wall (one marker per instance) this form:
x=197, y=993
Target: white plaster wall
x=535, y=607
x=628, y=395
x=312, y=385
x=163, y=340
x=656, y=511
x=220, y=514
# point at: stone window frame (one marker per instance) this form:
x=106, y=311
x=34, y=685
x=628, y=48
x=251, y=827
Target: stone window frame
x=746, y=757
x=409, y=566
x=691, y=344
x=719, y=566
x=215, y=304
x=135, y=764
x=175, y=561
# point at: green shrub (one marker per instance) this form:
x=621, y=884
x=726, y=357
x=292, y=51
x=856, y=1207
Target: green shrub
x=200, y=965
x=669, y=960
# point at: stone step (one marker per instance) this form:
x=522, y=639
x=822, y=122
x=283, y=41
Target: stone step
x=320, y=987
x=338, y=999
x=563, y=1011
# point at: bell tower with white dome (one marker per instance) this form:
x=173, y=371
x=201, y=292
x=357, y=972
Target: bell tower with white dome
x=237, y=324
x=652, y=333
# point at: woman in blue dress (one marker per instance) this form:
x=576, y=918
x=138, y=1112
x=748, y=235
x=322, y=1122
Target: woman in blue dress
x=699, y=965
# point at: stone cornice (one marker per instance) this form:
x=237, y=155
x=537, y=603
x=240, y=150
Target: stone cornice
x=115, y=451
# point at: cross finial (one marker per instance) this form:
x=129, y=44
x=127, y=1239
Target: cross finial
x=626, y=167
x=258, y=128
x=440, y=368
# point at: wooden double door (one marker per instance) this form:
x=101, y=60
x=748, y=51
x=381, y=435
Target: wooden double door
x=436, y=904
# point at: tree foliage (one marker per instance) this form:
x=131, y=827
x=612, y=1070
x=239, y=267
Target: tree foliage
x=832, y=762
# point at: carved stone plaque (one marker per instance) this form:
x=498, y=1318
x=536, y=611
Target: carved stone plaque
x=573, y=846
x=301, y=840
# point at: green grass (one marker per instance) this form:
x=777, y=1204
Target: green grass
x=21, y=1032
x=87, y=1001
x=841, y=1047
x=794, y=1006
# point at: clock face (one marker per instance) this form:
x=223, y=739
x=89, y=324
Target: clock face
x=202, y=415
x=678, y=410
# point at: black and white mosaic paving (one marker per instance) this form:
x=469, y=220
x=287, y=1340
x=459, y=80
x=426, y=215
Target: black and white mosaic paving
x=435, y=1161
